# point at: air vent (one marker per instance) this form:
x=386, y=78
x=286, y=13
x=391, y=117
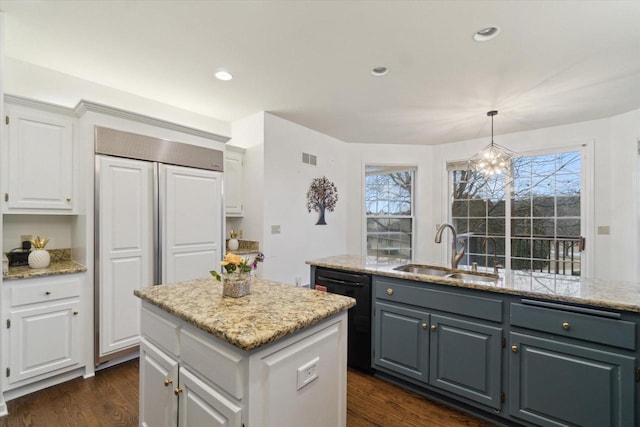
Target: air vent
x=309, y=159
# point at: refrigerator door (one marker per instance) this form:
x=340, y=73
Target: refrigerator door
x=124, y=249
x=190, y=222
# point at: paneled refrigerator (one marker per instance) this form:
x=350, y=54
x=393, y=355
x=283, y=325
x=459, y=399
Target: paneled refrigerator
x=158, y=219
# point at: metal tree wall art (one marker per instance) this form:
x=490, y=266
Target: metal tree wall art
x=322, y=194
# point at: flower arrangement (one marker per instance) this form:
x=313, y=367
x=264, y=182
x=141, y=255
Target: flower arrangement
x=236, y=282
x=234, y=263
x=322, y=194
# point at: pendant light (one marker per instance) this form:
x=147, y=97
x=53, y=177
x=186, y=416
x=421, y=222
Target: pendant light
x=492, y=159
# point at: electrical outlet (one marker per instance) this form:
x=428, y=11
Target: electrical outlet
x=25, y=238
x=298, y=281
x=308, y=372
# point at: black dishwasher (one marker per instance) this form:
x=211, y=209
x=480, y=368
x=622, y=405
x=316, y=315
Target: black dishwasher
x=357, y=286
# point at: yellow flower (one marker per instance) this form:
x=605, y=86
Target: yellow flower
x=232, y=259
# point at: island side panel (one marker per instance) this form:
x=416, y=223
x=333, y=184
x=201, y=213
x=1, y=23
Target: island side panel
x=302, y=380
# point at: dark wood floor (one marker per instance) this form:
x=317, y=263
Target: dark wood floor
x=111, y=399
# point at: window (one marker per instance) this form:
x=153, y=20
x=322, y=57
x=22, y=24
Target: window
x=538, y=230
x=389, y=211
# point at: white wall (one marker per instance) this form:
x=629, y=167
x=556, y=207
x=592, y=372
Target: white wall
x=31, y=81
x=56, y=227
x=286, y=181
x=275, y=187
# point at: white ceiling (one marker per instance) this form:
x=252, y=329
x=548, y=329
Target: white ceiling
x=555, y=62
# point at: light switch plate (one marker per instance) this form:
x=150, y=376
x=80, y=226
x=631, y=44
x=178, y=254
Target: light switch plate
x=275, y=229
x=604, y=229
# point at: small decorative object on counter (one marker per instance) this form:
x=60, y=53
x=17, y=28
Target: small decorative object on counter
x=236, y=279
x=322, y=194
x=39, y=256
x=233, y=243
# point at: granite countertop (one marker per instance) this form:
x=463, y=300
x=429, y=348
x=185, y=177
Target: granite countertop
x=272, y=310
x=54, y=269
x=244, y=247
x=579, y=290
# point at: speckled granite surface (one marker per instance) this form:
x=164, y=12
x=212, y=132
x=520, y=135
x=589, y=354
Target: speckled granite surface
x=598, y=293
x=245, y=247
x=272, y=311
x=54, y=269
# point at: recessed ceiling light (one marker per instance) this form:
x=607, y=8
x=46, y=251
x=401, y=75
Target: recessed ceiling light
x=379, y=71
x=487, y=33
x=223, y=75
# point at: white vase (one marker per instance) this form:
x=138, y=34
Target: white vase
x=233, y=244
x=39, y=258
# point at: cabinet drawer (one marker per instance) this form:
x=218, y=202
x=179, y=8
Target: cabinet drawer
x=218, y=364
x=452, y=302
x=29, y=291
x=586, y=327
x=161, y=331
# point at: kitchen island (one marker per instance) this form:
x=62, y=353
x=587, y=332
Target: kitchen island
x=529, y=350
x=276, y=357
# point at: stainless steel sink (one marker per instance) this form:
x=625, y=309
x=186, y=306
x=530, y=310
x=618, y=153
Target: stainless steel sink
x=473, y=277
x=447, y=273
x=429, y=270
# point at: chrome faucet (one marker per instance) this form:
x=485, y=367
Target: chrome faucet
x=455, y=255
x=485, y=247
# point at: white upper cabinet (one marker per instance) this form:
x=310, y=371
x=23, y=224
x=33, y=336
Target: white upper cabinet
x=37, y=161
x=233, y=164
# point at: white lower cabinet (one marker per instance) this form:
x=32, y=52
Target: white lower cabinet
x=190, y=378
x=158, y=380
x=202, y=405
x=42, y=334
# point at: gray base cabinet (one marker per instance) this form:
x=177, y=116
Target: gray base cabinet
x=516, y=360
x=458, y=354
x=402, y=340
x=465, y=359
x=554, y=383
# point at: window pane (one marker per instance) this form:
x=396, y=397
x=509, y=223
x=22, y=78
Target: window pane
x=521, y=227
x=389, y=211
x=544, y=213
x=568, y=206
x=459, y=208
x=543, y=227
x=495, y=227
x=568, y=227
x=495, y=208
x=521, y=207
x=543, y=206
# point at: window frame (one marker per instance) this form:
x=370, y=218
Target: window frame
x=586, y=148
x=363, y=209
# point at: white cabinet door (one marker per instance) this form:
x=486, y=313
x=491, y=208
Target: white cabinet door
x=42, y=339
x=158, y=380
x=191, y=222
x=201, y=405
x=233, y=197
x=125, y=249
x=40, y=161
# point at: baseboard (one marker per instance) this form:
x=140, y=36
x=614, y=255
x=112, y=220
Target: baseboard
x=118, y=360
